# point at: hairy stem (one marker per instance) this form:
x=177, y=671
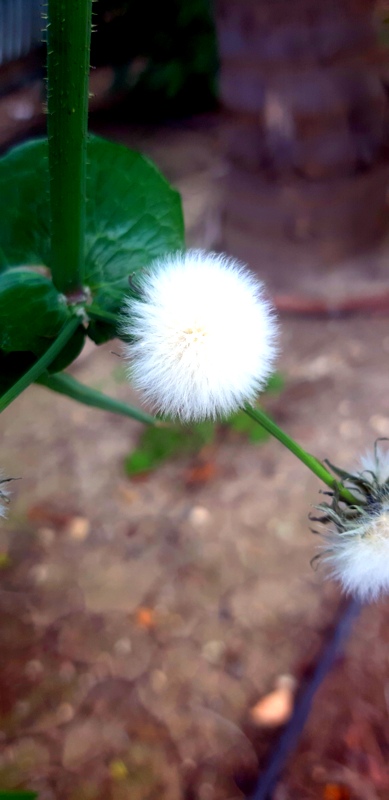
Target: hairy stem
x=69, y=386
x=68, y=49
x=41, y=365
x=310, y=461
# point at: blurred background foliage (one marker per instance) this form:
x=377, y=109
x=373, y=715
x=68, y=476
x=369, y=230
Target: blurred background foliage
x=164, y=54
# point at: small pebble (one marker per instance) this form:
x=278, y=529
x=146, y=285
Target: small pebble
x=65, y=712
x=78, y=528
x=158, y=680
x=206, y=791
x=34, y=669
x=350, y=429
x=123, y=647
x=379, y=424
x=213, y=651
x=39, y=573
x=199, y=516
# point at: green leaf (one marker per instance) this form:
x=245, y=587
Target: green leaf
x=67, y=385
x=275, y=384
x=24, y=205
x=31, y=311
x=245, y=426
x=101, y=332
x=133, y=216
x=70, y=352
x=141, y=461
x=158, y=444
x=18, y=795
x=103, y=324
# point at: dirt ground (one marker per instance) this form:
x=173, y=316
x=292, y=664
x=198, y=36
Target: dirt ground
x=143, y=621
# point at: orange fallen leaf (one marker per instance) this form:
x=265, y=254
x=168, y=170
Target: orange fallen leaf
x=335, y=791
x=145, y=617
x=275, y=708
x=49, y=516
x=199, y=473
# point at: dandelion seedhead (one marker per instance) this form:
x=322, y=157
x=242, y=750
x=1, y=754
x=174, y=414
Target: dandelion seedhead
x=356, y=547
x=202, y=336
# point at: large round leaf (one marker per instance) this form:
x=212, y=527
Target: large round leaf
x=24, y=206
x=31, y=311
x=133, y=216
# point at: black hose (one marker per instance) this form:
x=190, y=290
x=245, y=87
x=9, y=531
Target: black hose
x=289, y=738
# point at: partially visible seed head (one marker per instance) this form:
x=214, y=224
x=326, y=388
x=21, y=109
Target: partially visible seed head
x=356, y=547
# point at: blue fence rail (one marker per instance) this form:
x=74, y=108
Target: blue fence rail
x=20, y=28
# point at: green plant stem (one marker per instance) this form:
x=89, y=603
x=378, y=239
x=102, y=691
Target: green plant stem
x=69, y=386
x=41, y=365
x=68, y=49
x=310, y=461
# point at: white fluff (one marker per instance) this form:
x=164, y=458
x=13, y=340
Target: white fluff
x=359, y=557
x=4, y=494
x=203, y=336
x=376, y=463
x=358, y=552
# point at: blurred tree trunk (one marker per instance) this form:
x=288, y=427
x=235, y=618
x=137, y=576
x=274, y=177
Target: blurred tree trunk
x=308, y=135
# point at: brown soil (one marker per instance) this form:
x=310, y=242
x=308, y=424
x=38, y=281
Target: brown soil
x=141, y=621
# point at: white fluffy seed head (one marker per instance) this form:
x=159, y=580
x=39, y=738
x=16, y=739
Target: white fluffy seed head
x=357, y=553
x=359, y=557
x=203, y=336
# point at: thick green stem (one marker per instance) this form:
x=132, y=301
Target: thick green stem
x=68, y=49
x=310, y=461
x=41, y=365
x=69, y=386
